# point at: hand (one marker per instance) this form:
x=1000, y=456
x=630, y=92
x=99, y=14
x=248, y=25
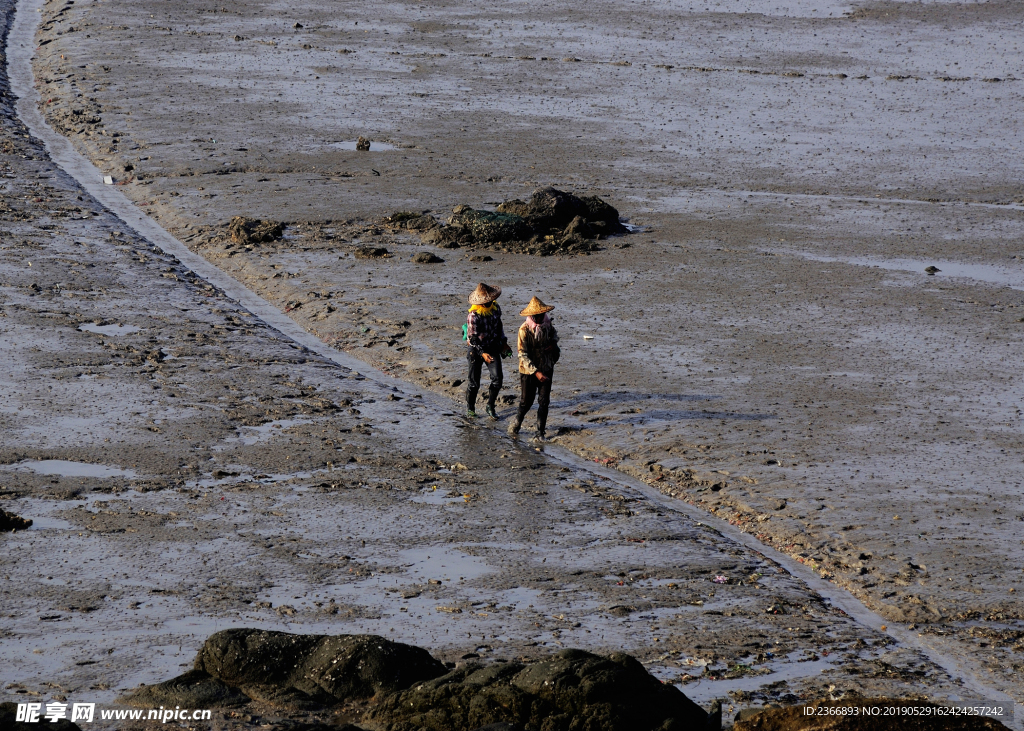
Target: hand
x=541, y=377
x=487, y=358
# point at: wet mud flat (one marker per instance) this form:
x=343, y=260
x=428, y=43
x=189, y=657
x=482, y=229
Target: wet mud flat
x=742, y=359
x=768, y=347
x=186, y=470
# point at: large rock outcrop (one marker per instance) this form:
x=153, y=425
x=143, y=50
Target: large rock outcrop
x=295, y=671
x=551, y=222
x=573, y=690
x=402, y=688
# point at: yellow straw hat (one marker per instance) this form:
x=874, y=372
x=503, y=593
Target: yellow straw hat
x=484, y=294
x=536, y=307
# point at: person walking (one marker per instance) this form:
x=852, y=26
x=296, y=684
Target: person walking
x=485, y=338
x=538, y=353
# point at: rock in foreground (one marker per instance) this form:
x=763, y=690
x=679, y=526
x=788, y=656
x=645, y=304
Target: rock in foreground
x=572, y=690
x=403, y=688
x=294, y=671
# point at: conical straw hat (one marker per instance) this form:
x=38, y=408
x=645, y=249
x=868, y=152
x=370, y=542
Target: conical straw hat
x=484, y=294
x=536, y=307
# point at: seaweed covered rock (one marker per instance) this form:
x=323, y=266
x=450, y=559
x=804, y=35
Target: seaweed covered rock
x=248, y=231
x=551, y=222
x=11, y=522
x=470, y=226
x=550, y=209
x=572, y=690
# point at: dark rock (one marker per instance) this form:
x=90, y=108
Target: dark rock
x=579, y=227
x=425, y=257
x=548, y=208
x=412, y=221
x=9, y=712
x=434, y=236
x=363, y=144
x=468, y=225
x=552, y=222
x=931, y=270
x=295, y=670
x=254, y=231
x=600, y=212
x=572, y=690
x=11, y=522
x=194, y=689
x=371, y=252
x=481, y=258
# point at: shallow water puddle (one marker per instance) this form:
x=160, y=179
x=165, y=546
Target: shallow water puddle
x=63, y=468
x=988, y=273
x=50, y=524
x=448, y=563
x=256, y=434
x=109, y=329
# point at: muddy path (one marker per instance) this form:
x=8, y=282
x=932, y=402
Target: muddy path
x=660, y=434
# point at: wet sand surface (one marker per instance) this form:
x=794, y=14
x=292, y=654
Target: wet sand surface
x=768, y=347
x=188, y=470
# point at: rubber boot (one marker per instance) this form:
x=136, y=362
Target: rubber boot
x=513, y=426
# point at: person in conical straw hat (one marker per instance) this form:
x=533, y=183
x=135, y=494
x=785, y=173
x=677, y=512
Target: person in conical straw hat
x=538, y=353
x=487, y=344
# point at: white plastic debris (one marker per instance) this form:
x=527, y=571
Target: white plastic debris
x=588, y=337
x=108, y=180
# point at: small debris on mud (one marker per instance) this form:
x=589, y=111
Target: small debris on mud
x=11, y=522
x=481, y=258
x=247, y=231
x=551, y=222
x=371, y=252
x=363, y=144
x=931, y=271
x=426, y=257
